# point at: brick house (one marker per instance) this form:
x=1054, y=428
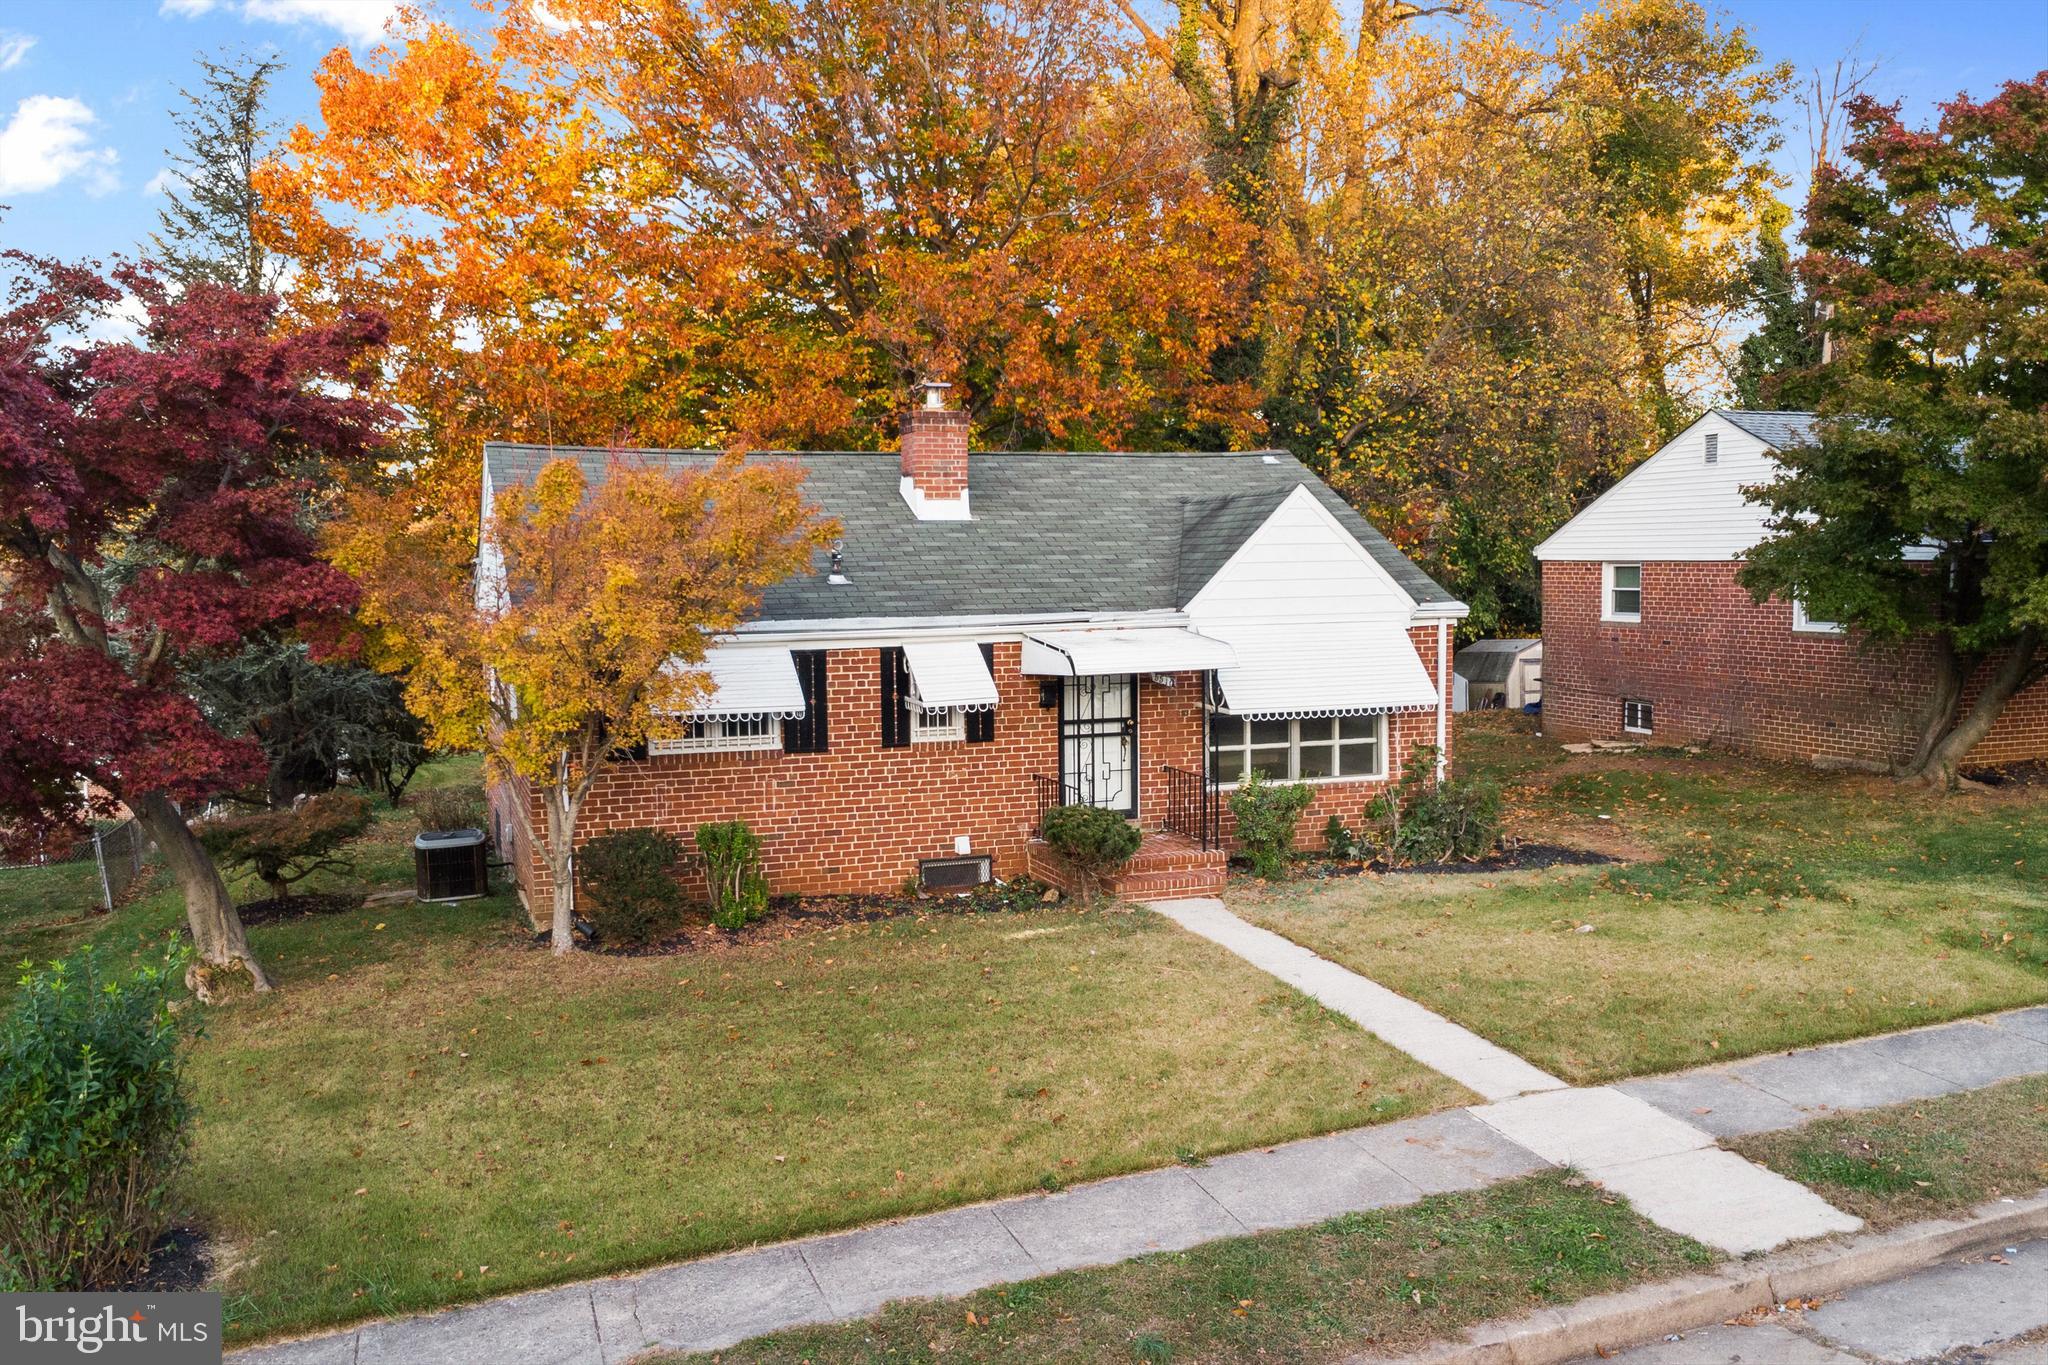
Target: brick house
x=1000, y=632
x=1647, y=634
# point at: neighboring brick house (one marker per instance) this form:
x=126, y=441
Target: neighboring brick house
x=1647, y=634
x=997, y=632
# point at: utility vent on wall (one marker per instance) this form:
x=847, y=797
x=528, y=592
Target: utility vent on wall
x=1713, y=450
x=953, y=874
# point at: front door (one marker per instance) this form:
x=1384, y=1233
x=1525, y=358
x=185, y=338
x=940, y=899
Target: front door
x=1099, y=741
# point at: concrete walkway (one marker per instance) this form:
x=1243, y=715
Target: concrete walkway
x=1428, y=1037
x=715, y=1302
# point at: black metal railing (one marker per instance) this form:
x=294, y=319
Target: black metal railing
x=1194, y=808
x=1051, y=792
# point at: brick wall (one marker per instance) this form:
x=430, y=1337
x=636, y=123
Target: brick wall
x=857, y=818
x=1721, y=669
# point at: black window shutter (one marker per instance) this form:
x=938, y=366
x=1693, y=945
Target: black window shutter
x=810, y=734
x=895, y=695
x=981, y=725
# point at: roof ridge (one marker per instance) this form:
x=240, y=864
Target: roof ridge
x=566, y=449
x=1768, y=412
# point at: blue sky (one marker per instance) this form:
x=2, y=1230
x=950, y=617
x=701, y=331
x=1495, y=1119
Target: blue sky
x=87, y=86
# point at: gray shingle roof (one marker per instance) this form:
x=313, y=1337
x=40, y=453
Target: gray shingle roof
x=1051, y=532
x=1489, y=661
x=1778, y=430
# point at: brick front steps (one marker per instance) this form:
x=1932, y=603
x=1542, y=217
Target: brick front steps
x=1165, y=867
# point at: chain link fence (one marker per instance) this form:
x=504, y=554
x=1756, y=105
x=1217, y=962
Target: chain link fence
x=92, y=874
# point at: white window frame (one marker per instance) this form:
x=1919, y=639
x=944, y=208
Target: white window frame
x=1607, y=590
x=722, y=735
x=1649, y=714
x=1294, y=747
x=939, y=725
x=1806, y=625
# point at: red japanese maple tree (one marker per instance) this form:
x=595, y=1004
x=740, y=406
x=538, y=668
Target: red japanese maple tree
x=152, y=513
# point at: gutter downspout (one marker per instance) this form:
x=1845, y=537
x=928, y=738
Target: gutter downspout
x=1443, y=719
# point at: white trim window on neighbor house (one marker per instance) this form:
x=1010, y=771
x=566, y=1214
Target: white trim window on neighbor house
x=1621, y=592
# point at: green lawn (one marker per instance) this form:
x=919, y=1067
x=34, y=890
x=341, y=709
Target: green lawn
x=46, y=912
x=1929, y=1159
x=1385, y=1283
x=1765, y=907
x=431, y=1108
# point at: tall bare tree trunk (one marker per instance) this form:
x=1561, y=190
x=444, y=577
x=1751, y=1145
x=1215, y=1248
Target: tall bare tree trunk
x=217, y=933
x=1943, y=764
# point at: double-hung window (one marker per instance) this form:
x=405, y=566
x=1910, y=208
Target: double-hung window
x=1621, y=594
x=1293, y=750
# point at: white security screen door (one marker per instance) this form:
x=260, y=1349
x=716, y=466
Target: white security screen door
x=1099, y=741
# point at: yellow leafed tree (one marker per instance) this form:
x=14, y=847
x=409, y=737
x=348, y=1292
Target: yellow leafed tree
x=590, y=619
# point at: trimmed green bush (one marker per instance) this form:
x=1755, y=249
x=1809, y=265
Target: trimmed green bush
x=1452, y=820
x=1094, y=840
x=628, y=878
x=1266, y=814
x=93, y=1117
x=732, y=864
x=1423, y=821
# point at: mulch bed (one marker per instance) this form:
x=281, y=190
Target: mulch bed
x=1520, y=858
x=2031, y=773
x=790, y=915
x=180, y=1260
x=276, y=908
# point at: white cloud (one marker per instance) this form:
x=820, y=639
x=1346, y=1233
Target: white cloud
x=122, y=322
x=360, y=21
x=14, y=48
x=48, y=141
x=161, y=183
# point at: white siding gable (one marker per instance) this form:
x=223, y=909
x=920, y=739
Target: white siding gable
x=1674, y=505
x=1300, y=567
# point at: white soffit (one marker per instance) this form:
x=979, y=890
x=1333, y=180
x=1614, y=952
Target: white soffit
x=1151, y=649
x=950, y=673
x=1346, y=669
x=748, y=681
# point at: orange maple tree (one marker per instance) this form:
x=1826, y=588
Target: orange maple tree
x=749, y=222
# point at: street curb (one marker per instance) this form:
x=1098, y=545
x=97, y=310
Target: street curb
x=1815, y=1270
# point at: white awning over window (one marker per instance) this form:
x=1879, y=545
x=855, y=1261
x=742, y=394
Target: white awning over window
x=1138, y=649
x=1342, y=669
x=949, y=673
x=748, y=680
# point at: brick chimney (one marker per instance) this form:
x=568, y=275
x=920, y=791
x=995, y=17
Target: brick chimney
x=934, y=457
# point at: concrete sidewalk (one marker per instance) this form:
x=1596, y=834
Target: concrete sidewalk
x=1981, y=1310
x=714, y=1302
x=1647, y=1147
